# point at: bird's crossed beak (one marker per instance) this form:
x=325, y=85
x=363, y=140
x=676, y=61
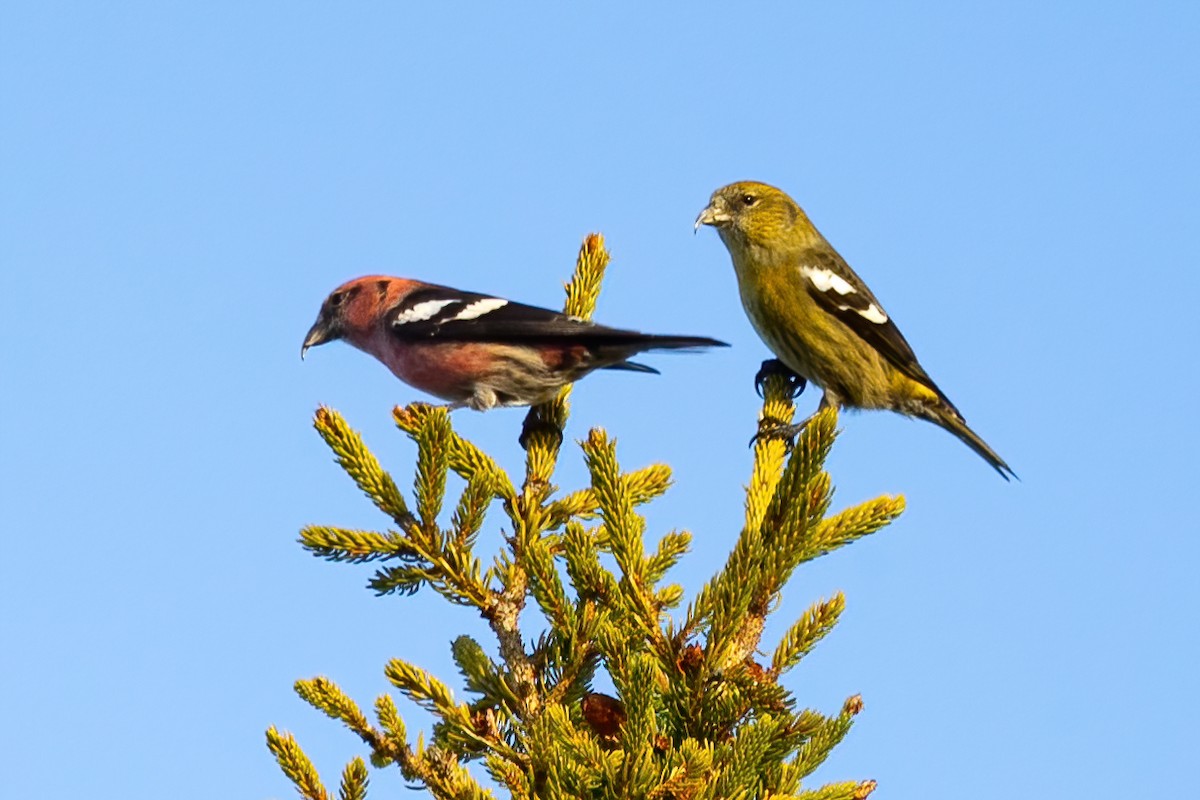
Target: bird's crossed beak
x=323, y=330
x=715, y=215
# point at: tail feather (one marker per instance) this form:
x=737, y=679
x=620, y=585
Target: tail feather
x=956, y=425
x=667, y=342
x=627, y=344
x=632, y=366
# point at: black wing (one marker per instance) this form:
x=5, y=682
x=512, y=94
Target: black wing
x=841, y=293
x=450, y=314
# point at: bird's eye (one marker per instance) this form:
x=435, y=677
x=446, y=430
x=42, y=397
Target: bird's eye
x=749, y=200
x=336, y=299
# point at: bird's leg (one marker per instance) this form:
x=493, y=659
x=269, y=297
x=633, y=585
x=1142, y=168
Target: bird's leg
x=773, y=366
x=534, y=424
x=768, y=429
x=773, y=429
x=795, y=384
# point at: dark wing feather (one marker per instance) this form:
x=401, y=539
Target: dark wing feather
x=445, y=313
x=862, y=313
x=452, y=315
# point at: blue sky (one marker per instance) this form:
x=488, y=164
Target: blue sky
x=182, y=184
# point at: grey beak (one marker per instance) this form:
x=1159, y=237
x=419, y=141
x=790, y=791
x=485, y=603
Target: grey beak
x=711, y=216
x=321, y=332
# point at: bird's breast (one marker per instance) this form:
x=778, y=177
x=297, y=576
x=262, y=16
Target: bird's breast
x=778, y=316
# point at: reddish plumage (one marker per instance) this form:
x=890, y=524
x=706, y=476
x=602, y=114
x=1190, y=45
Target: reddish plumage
x=476, y=350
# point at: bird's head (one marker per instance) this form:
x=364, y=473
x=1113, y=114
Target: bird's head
x=749, y=213
x=353, y=311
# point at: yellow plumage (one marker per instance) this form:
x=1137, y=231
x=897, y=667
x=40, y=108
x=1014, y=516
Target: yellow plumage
x=819, y=318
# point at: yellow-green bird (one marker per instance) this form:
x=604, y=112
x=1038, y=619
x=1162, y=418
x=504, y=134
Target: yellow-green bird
x=819, y=318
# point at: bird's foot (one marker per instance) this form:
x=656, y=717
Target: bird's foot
x=535, y=425
x=775, y=429
x=773, y=366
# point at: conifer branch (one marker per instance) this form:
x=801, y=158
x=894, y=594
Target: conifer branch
x=362, y=466
x=296, y=765
x=432, y=439
x=670, y=548
x=825, y=737
x=544, y=424
x=547, y=587
x=566, y=659
x=726, y=590
x=354, y=781
x=849, y=790
x=624, y=528
x=467, y=460
x=643, y=486
x=355, y=547
x=424, y=689
x=591, y=580
x=444, y=776
x=471, y=509
x=746, y=755
x=800, y=639
x=325, y=695
x=696, y=715
x=852, y=524
x=394, y=744
x=482, y=675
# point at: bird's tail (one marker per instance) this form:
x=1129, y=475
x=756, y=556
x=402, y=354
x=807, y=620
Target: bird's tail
x=946, y=418
x=630, y=344
x=632, y=366
x=667, y=342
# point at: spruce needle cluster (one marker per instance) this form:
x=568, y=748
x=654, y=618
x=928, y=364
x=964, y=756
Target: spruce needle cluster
x=698, y=715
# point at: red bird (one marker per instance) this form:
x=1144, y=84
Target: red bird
x=476, y=350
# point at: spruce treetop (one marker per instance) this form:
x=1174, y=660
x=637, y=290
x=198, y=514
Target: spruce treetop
x=697, y=715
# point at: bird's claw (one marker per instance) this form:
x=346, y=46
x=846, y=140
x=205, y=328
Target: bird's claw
x=775, y=429
x=534, y=424
x=773, y=366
